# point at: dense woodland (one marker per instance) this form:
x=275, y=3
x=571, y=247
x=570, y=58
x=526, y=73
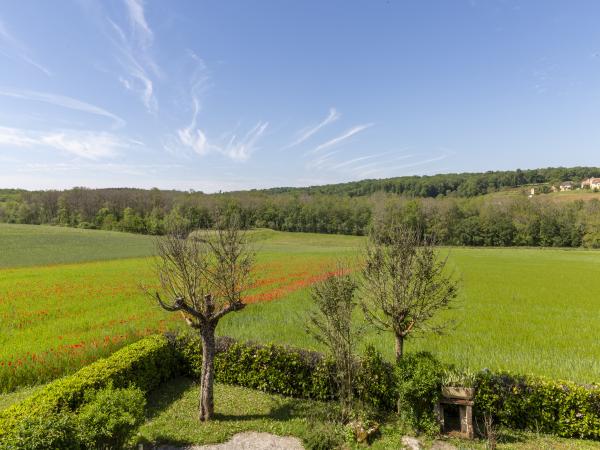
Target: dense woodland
x=453, y=207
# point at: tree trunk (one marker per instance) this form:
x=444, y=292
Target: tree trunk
x=208, y=373
x=399, y=346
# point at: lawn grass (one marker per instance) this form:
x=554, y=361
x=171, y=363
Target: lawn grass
x=173, y=419
x=173, y=414
x=32, y=245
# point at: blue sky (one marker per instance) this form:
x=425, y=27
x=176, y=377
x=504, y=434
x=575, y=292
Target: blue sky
x=228, y=95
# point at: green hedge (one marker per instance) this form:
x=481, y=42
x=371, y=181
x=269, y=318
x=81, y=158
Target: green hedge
x=144, y=364
x=562, y=408
x=556, y=407
x=269, y=368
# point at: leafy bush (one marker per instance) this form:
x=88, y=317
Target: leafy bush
x=105, y=420
x=556, y=407
x=376, y=381
x=323, y=436
x=56, y=431
x=109, y=416
x=419, y=387
x=145, y=364
x=269, y=368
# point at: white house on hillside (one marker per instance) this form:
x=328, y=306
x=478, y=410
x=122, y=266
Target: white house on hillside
x=592, y=183
x=566, y=186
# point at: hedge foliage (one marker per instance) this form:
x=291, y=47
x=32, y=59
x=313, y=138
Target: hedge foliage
x=555, y=407
x=106, y=420
x=269, y=368
x=144, y=364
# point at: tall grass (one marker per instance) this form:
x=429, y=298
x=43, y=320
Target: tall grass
x=526, y=310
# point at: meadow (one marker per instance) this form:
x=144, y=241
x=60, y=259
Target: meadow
x=26, y=245
x=525, y=310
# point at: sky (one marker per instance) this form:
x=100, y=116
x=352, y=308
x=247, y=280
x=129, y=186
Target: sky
x=229, y=95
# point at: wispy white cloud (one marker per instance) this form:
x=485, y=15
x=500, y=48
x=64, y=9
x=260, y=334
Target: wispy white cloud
x=231, y=144
x=241, y=148
x=306, y=133
x=353, y=161
x=348, y=134
x=137, y=17
x=62, y=101
x=85, y=144
x=388, y=168
x=14, y=47
x=192, y=136
x=134, y=54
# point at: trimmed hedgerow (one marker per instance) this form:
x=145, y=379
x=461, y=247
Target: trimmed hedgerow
x=556, y=407
x=269, y=368
x=562, y=408
x=144, y=364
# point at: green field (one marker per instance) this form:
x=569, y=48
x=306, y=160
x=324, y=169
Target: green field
x=27, y=245
x=526, y=310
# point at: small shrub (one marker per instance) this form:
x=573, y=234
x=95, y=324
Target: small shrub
x=56, y=431
x=459, y=378
x=145, y=363
x=419, y=387
x=376, y=381
x=109, y=416
x=562, y=408
x=323, y=436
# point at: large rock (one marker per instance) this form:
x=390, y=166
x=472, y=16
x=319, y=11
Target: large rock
x=411, y=443
x=249, y=441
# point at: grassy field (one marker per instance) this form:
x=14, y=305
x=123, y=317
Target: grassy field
x=173, y=410
x=525, y=310
x=27, y=245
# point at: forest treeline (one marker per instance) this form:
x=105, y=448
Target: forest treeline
x=453, y=184
x=455, y=219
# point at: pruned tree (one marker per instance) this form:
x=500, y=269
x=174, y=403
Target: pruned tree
x=331, y=324
x=405, y=283
x=203, y=275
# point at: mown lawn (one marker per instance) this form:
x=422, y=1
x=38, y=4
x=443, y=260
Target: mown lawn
x=173, y=419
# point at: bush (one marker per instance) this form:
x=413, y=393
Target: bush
x=419, y=388
x=376, y=381
x=269, y=368
x=56, y=431
x=106, y=420
x=109, y=417
x=556, y=407
x=145, y=364
x=323, y=436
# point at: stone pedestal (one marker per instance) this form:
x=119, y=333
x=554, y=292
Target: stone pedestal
x=465, y=411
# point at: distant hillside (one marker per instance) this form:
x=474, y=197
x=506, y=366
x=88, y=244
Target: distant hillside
x=460, y=184
x=489, y=209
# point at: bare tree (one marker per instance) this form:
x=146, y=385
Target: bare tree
x=331, y=324
x=203, y=275
x=404, y=283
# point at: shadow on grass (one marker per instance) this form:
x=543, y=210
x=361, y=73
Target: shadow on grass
x=166, y=394
x=285, y=411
